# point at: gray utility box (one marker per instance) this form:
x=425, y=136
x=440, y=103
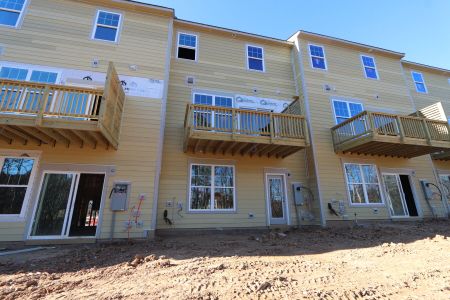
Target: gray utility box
x=297, y=192
x=120, y=196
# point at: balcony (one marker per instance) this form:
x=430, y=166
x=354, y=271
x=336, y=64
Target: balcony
x=213, y=129
x=382, y=134
x=50, y=114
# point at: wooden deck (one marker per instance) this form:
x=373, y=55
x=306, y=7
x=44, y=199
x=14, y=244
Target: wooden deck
x=50, y=114
x=221, y=130
x=382, y=134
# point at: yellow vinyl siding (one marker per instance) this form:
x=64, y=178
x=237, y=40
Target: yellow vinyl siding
x=222, y=67
x=346, y=77
x=57, y=33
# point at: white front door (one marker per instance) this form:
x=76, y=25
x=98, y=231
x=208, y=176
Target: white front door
x=276, y=199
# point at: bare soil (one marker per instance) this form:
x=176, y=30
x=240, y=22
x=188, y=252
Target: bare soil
x=390, y=261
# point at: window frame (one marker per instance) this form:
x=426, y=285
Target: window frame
x=375, y=68
x=263, y=59
x=211, y=210
x=179, y=33
x=20, y=18
x=35, y=155
x=348, y=107
x=366, y=199
x=311, y=57
x=119, y=26
x=415, y=82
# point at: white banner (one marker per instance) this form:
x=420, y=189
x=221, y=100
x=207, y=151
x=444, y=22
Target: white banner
x=254, y=102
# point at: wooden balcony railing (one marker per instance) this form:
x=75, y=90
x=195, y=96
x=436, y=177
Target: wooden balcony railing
x=26, y=105
x=244, y=126
x=393, y=130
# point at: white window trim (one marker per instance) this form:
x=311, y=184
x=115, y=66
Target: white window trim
x=262, y=59
x=212, y=210
x=32, y=68
x=366, y=198
x=20, y=18
x=119, y=26
x=19, y=154
x=348, y=107
x=423, y=82
x=311, y=57
x=214, y=98
x=375, y=68
x=187, y=47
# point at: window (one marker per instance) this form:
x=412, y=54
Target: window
x=11, y=12
x=107, y=26
x=220, y=119
x=363, y=184
x=419, y=82
x=13, y=73
x=255, y=58
x=187, y=46
x=15, y=181
x=317, y=54
x=43, y=77
x=370, y=69
x=211, y=188
x=344, y=110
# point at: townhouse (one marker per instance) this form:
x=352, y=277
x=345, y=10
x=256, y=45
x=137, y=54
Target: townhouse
x=118, y=119
x=82, y=94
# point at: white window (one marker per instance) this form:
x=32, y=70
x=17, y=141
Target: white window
x=344, y=110
x=419, y=82
x=317, y=54
x=363, y=184
x=11, y=12
x=187, y=46
x=370, y=68
x=255, y=58
x=13, y=73
x=107, y=26
x=211, y=188
x=16, y=175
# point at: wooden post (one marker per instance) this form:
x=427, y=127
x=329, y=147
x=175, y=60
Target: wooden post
x=233, y=123
x=42, y=105
x=400, y=128
x=272, y=127
x=372, y=123
x=427, y=131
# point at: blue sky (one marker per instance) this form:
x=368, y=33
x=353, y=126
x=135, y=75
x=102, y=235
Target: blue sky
x=419, y=28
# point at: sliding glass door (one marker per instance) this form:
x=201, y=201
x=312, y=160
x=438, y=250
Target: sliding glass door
x=68, y=205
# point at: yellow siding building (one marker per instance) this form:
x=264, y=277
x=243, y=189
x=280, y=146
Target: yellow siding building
x=118, y=119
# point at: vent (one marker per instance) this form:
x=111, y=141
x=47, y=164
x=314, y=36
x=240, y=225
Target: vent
x=328, y=88
x=190, y=80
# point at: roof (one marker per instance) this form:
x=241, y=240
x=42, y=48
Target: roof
x=426, y=67
x=234, y=31
x=339, y=41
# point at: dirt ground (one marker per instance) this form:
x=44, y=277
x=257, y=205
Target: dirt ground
x=390, y=261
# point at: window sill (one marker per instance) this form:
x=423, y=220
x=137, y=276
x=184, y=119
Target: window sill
x=11, y=219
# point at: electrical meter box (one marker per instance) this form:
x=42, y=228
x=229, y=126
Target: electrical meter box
x=120, y=195
x=297, y=192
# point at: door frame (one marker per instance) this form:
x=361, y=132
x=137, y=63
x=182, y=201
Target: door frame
x=286, y=202
x=410, y=174
x=106, y=170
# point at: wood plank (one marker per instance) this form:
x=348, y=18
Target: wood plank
x=22, y=134
x=85, y=138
